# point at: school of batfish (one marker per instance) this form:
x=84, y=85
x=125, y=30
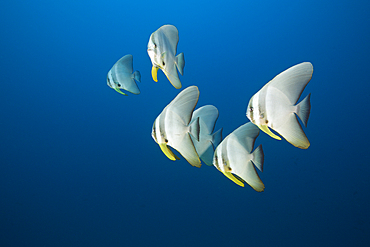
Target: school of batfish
x=190, y=132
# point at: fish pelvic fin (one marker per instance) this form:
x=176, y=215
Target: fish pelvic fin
x=154, y=73
x=266, y=129
x=167, y=151
x=119, y=91
x=230, y=176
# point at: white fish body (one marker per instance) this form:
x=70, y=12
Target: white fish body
x=234, y=156
x=274, y=106
x=121, y=76
x=162, y=48
x=173, y=128
x=207, y=141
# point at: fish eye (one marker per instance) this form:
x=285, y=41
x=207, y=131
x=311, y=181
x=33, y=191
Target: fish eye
x=165, y=140
x=251, y=109
x=163, y=63
x=119, y=85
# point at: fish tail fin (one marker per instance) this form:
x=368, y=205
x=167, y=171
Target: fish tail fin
x=304, y=109
x=194, y=129
x=217, y=138
x=137, y=76
x=293, y=132
x=258, y=158
x=180, y=63
x=207, y=151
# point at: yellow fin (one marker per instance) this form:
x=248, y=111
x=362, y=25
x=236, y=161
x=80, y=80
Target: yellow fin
x=119, y=91
x=266, y=129
x=154, y=73
x=167, y=151
x=230, y=176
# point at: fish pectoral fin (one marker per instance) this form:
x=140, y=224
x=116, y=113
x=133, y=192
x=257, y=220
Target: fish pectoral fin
x=230, y=176
x=266, y=129
x=154, y=73
x=167, y=151
x=119, y=91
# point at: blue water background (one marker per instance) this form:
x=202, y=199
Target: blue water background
x=78, y=166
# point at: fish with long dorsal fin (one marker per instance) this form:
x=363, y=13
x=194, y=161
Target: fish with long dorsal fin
x=235, y=159
x=162, y=48
x=121, y=77
x=275, y=105
x=208, y=142
x=172, y=128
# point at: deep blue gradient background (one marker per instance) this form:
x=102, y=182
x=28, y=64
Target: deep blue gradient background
x=78, y=166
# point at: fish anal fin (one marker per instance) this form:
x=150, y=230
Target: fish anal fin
x=186, y=148
x=293, y=132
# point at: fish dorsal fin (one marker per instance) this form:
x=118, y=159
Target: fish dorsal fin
x=246, y=135
x=124, y=65
x=293, y=80
x=208, y=115
x=172, y=35
x=184, y=103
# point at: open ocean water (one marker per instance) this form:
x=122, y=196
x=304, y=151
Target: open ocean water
x=78, y=165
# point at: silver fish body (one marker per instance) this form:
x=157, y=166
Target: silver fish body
x=121, y=76
x=173, y=127
x=235, y=159
x=162, y=48
x=274, y=106
x=208, y=141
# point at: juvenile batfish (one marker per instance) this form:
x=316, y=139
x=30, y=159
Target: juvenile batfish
x=173, y=128
x=207, y=141
x=234, y=156
x=121, y=77
x=275, y=106
x=162, y=49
